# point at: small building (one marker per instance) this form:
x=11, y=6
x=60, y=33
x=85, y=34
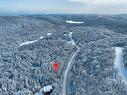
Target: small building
x=47, y=89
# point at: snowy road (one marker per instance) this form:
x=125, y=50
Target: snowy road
x=69, y=66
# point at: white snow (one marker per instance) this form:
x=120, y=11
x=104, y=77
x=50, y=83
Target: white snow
x=65, y=34
x=72, y=41
x=120, y=65
x=41, y=37
x=28, y=42
x=49, y=34
x=47, y=88
x=74, y=22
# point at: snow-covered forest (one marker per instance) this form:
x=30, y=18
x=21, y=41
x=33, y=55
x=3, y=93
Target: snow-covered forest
x=30, y=44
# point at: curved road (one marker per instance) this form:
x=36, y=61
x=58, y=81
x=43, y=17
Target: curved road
x=69, y=66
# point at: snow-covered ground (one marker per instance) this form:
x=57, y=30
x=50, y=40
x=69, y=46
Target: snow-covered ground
x=48, y=34
x=71, y=41
x=119, y=64
x=41, y=37
x=28, y=42
x=74, y=22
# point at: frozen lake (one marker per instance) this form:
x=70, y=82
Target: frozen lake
x=74, y=22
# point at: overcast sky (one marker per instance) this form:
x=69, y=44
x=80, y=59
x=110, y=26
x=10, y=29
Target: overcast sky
x=65, y=6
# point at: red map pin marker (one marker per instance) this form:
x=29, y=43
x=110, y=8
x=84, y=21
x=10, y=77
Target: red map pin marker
x=56, y=66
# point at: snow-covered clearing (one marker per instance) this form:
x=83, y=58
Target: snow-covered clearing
x=28, y=42
x=119, y=64
x=48, y=34
x=71, y=41
x=41, y=37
